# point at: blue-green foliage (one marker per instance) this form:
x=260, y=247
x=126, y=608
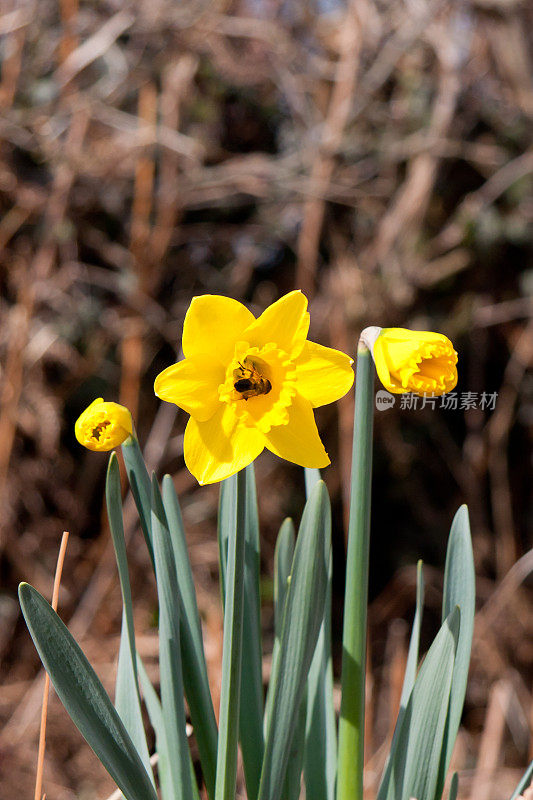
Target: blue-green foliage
x=293, y=734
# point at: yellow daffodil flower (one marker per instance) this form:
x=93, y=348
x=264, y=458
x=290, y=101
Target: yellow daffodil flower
x=422, y=362
x=251, y=383
x=103, y=426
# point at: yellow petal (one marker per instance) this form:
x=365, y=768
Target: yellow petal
x=103, y=426
x=220, y=447
x=213, y=324
x=192, y=384
x=323, y=374
x=285, y=323
x=383, y=370
x=298, y=441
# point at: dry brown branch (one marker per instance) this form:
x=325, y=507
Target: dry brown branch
x=177, y=83
x=94, y=47
x=11, y=65
x=452, y=235
x=69, y=41
x=331, y=136
x=498, y=435
x=410, y=203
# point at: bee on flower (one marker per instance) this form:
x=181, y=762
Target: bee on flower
x=251, y=383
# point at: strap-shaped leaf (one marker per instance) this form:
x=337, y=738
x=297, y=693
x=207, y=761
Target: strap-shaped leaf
x=459, y=590
x=192, y=651
x=304, y=609
x=321, y=735
x=172, y=704
x=283, y=555
x=251, y=704
x=524, y=782
x=293, y=775
x=84, y=697
x=155, y=713
x=454, y=787
x=414, y=643
x=127, y=701
x=417, y=754
x=140, y=487
x=409, y=677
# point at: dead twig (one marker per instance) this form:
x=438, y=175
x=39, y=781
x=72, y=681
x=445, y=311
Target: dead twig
x=332, y=132
x=46, y=691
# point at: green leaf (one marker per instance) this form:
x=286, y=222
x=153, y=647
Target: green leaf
x=304, y=610
x=321, y=734
x=414, y=643
x=459, y=590
x=140, y=487
x=251, y=693
x=409, y=677
x=454, y=787
x=84, y=697
x=127, y=701
x=283, y=555
x=293, y=775
x=192, y=651
x=234, y=535
x=524, y=782
x=155, y=713
x=171, y=678
x=417, y=753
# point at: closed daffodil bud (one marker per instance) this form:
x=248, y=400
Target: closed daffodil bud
x=422, y=362
x=103, y=426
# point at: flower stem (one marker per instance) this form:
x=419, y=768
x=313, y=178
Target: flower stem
x=352, y=716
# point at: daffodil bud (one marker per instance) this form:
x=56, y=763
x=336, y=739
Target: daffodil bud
x=421, y=362
x=103, y=426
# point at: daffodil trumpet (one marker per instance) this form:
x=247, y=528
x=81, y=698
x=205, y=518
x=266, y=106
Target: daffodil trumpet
x=422, y=362
x=251, y=383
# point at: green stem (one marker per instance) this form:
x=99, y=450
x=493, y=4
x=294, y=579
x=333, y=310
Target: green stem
x=352, y=716
x=226, y=776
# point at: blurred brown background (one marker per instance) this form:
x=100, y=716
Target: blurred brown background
x=378, y=155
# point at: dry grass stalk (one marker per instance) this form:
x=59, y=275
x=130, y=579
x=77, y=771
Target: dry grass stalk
x=46, y=692
x=491, y=741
